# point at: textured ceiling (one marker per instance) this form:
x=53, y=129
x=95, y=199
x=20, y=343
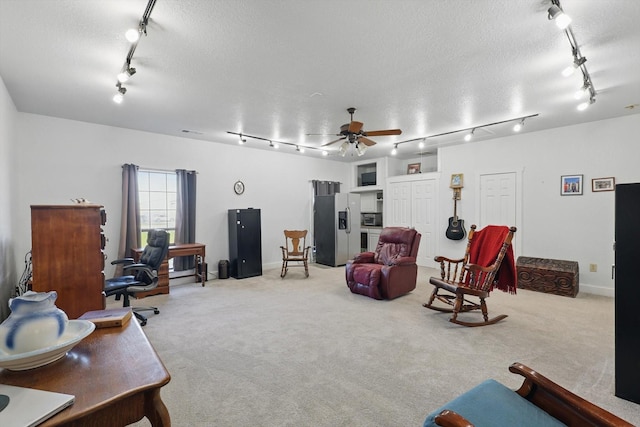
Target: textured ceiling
x=283, y=69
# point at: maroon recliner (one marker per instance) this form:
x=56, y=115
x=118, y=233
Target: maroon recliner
x=391, y=270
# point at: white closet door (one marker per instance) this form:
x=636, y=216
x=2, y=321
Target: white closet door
x=498, y=199
x=424, y=219
x=398, y=202
x=500, y=202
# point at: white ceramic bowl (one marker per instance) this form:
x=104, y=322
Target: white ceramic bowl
x=75, y=332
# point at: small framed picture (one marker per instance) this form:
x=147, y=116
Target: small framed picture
x=603, y=184
x=571, y=185
x=456, y=180
x=413, y=168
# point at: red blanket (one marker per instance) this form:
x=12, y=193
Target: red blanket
x=484, y=250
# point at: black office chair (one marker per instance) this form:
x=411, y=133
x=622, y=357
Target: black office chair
x=142, y=276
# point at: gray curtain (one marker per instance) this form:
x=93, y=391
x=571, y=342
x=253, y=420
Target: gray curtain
x=185, y=216
x=325, y=188
x=130, y=217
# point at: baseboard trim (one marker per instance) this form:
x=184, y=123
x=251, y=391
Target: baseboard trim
x=597, y=290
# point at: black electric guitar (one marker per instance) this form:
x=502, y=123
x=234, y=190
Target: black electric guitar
x=455, y=230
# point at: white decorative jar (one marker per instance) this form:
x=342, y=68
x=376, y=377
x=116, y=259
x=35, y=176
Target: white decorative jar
x=34, y=323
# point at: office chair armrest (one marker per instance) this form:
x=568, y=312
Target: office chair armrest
x=140, y=267
x=122, y=261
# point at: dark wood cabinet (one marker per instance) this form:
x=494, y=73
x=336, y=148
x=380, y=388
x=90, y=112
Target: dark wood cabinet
x=245, y=243
x=627, y=292
x=67, y=250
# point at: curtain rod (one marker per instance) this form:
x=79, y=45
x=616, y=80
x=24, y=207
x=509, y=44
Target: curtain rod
x=161, y=170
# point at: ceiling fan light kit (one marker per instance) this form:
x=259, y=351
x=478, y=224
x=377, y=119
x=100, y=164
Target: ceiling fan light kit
x=353, y=135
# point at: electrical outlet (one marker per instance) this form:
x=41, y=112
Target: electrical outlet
x=593, y=268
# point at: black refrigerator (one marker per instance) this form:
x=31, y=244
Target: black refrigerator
x=627, y=292
x=245, y=243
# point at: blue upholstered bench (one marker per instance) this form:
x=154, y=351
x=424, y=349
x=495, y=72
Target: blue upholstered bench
x=490, y=404
x=539, y=402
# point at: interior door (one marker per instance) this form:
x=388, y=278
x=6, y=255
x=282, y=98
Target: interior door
x=423, y=215
x=398, y=202
x=499, y=200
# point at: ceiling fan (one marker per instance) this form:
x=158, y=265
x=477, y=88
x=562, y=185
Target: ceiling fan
x=352, y=133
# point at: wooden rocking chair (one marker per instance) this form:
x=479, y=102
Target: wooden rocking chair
x=483, y=267
x=295, y=250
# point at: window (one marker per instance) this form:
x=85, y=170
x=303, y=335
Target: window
x=157, y=193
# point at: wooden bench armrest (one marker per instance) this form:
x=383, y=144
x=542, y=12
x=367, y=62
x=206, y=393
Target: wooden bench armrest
x=449, y=418
x=560, y=403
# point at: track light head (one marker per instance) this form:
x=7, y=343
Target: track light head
x=584, y=105
x=119, y=97
x=562, y=19
x=241, y=140
x=577, y=62
x=132, y=35
x=395, y=150
x=124, y=75
x=468, y=136
x=518, y=126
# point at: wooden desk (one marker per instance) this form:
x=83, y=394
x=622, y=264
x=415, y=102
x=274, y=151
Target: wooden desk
x=115, y=375
x=183, y=249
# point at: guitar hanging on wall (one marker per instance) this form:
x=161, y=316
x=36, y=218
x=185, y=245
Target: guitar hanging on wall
x=455, y=230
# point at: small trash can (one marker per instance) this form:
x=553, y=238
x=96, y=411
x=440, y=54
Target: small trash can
x=223, y=269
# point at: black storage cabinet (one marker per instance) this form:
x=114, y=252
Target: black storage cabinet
x=245, y=243
x=627, y=292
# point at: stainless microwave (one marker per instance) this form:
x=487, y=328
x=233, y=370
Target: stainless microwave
x=372, y=219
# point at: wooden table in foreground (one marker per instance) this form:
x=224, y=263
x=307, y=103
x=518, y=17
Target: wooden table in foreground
x=196, y=250
x=115, y=375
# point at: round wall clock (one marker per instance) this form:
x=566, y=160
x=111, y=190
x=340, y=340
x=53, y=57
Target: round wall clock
x=238, y=187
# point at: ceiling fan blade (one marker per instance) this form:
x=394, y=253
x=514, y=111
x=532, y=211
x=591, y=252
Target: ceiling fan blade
x=383, y=132
x=355, y=127
x=333, y=142
x=366, y=141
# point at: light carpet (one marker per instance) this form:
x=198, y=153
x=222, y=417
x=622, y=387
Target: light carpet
x=298, y=351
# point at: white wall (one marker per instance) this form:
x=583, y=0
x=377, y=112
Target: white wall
x=45, y=160
x=61, y=159
x=8, y=270
x=577, y=228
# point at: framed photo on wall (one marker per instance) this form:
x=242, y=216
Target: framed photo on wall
x=413, y=168
x=571, y=185
x=456, y=180
x=603, y=184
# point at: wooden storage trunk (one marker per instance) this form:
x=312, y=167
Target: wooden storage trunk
x=551, y=276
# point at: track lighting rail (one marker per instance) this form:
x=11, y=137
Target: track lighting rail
x=556, y=13
x=127, y=71
x=274, y=144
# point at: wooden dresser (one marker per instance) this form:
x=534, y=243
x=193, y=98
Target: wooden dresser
x=67, y=244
